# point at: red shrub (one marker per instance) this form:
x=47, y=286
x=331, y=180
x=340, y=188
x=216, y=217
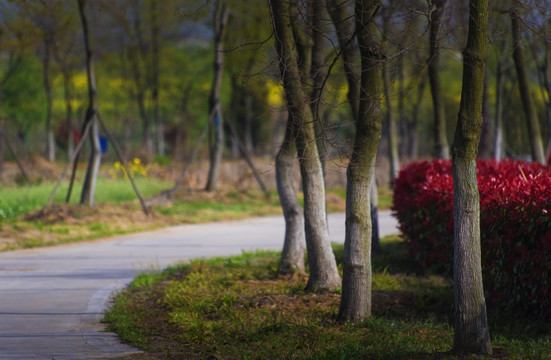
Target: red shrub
x=515, y=224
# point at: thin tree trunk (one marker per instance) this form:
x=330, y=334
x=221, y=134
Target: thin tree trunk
x=248, y=128
x=412, y=125
x=392, y=128
x=321, y=260
x=68, y=113
x=534, y=132
x=50, y=143
x=374, y=203
x=292, y=256
x=441, y=147
x=485, y=148
x=4, y=140
x=499, y=140
x=155, y=56
x=89, y=186
x=471, y=334
x=220, y=22
x=318, y=73
x=344, y=25
x=392, y=125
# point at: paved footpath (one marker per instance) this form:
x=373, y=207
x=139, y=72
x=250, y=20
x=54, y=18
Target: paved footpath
x=52, y=299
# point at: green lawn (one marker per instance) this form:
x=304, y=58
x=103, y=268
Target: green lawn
x=18, y=200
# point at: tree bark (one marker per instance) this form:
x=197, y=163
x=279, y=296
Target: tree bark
x=344, y=25
x=220, y=22
x=321, y=260
x=292, y=256
x=392, y=125
x=318, y=73
x=50, y=143
x=471, y=333
x=534, y=132
x=499, y=139
x=155, y=70
x=68, y=112
x=356, y=285
x=441, y=147
x=89, y=186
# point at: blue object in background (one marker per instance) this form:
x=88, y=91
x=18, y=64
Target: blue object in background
x=103, y=144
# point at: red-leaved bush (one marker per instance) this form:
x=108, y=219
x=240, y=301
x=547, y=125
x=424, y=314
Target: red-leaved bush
x=515, y=227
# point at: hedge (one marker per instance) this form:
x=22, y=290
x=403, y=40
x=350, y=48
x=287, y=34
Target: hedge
x=515, y=224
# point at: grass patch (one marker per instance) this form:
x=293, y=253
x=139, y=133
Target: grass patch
x=19, y=200
x=236, y=308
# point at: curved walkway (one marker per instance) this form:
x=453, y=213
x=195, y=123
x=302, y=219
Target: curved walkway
x=52, y=299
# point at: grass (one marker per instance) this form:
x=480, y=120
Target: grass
x=236, y=308
x=18, y=200
x=22, y=225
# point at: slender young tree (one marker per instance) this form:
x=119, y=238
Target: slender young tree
x=89, y=186
x=391, y=119
x=356, y=285
x=534, y=132
x=220, y=22
x=441, y=147
x=471, y=333
x=321, y=260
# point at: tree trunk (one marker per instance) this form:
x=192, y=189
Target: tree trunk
x=471, y=333
x=392, y=125
x=50, y=143
x=441, y=147
x=68, y=113
x=534, y=132
x=155, y=56
x=292, y=256
x=344, y=25
x=485, y=148
x=321, y=260
x=220, y=22
x=356, y=285
x=499, y=139
x=89, y=186
x=412, y=125
x=318, y=73
x=374, y=203
x=392, y=128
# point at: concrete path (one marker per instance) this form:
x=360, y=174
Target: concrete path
x=52, y=299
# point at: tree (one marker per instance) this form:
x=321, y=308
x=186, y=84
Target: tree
x=441, y=147
x=89, y=186
x=215, y=106
x=391, y=120
x=321, y=260
x=356, y=285
x=471, y=333
x=292, y=255
x=46, y=18
x=536, y=144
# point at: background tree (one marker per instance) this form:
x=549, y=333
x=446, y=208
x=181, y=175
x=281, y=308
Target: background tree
x=436, y=18
x=471, y=333
x=89, y=185
x=10, y=48
x=536, y=144
x=215, y=107
x=323, y=268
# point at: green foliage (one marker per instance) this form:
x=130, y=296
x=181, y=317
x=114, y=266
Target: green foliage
x=15, y=201
x=23, y=100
